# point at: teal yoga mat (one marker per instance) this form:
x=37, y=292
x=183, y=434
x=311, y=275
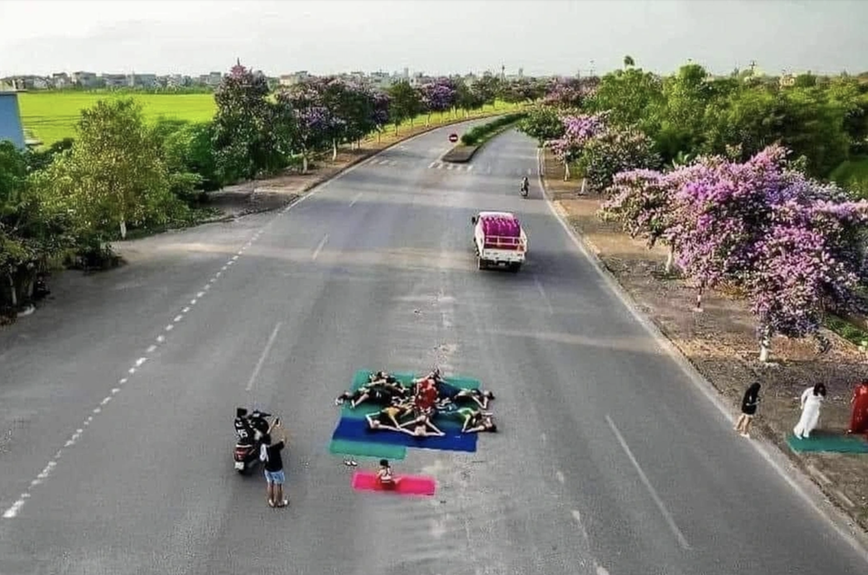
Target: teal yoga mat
x=367, y=449
x=833, y=443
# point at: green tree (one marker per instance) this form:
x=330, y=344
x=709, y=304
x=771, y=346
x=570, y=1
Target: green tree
x=406, y=103
x=543, y=124
x=114, y=175
x=631, y=96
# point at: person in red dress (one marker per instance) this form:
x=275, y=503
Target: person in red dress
x=859, y=419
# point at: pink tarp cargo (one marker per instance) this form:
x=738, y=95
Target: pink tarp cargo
x=501, y=233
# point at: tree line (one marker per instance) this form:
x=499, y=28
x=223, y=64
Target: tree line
x=733, y=175
x=64, y=205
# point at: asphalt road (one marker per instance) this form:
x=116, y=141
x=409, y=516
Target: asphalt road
x=609, y=461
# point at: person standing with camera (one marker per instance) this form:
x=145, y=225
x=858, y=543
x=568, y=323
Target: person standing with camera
x=274, y=475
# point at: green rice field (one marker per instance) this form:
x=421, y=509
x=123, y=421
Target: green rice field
x=52, y=116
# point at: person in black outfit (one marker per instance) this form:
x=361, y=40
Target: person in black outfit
x=243, y=430
x=274, y=475
x=748, y=409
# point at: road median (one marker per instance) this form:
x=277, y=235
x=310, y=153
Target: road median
x=478, y=136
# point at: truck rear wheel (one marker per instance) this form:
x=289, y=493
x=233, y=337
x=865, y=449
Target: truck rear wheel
x=515, y=267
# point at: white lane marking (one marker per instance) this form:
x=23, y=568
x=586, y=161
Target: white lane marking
x=115, y=390
x=106, y=400
x=241, y=251
x=224, y=268
x=185, y=310
x=319, y=247
x=151, y=348
x=440, y=165
x=161, y=338
x=193, y=301
x=470, y=167
x=140, y=361
x=659, y=502
x=207, y=287
x=200, y=294
x=542, y=293
x=212, y=280
x=230, y=262
x=131, y=370
x=263, y=356
x=234, y=258
x=13, y=511
x=218, y=274
x=122, y=380
x=561, y=477
x=170, y=327
x=450, y=167
x=356, y=199
x=431, y=165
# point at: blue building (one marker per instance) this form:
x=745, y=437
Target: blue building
x=10, y=119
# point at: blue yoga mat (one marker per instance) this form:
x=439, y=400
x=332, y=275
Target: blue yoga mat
x=357, y=430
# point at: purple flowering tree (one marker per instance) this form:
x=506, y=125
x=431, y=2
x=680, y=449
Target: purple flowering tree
x=314, y=123
x=616, y=150
x=792, y=244
x=438, y=96
x=578, y=131
x=641, y=201
x=567, y=93
x=380, y=111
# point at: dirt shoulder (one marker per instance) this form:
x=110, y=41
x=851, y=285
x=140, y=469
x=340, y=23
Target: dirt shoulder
x=720, y=342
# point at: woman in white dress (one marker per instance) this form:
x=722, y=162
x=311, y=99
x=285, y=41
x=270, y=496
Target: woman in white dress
x=812, y=398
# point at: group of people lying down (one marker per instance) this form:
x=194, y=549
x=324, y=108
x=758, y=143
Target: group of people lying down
x=412, y=409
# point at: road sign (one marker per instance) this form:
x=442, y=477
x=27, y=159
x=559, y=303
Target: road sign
x=453, y=138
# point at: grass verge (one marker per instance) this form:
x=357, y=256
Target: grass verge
x=477, y=136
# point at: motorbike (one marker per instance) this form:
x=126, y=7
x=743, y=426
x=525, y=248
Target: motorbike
x=247, y=444
x=524, y=189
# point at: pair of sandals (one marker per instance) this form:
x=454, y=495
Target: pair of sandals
x=351, y=463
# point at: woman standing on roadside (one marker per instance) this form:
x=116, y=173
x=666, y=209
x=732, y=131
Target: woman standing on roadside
x=811, y=400
x=748, y=409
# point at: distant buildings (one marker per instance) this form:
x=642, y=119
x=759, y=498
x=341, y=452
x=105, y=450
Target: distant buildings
x=84, y=80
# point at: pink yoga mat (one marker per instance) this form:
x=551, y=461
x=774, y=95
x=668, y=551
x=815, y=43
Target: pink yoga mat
x=407, y=484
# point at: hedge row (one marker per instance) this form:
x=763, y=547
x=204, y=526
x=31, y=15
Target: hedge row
x=479, y=133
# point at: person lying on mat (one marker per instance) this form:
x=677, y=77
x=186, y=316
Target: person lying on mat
x=387, y=419
x=378, y=394
x=383, y=377
x=450, y=410
x=384, y=476
x=455, y=394
x=422, y=427
x=480, y=421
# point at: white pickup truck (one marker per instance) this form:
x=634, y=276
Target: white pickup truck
x=498, y=239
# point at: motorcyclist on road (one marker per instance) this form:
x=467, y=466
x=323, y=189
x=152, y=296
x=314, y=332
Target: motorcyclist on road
x=525, y=184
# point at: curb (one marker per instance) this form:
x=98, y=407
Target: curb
x=803, y=484
x=477, y=147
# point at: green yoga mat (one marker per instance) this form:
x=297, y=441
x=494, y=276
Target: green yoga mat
x=364, y=449
x=829, y=443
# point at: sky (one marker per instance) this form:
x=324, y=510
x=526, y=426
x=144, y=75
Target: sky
x=435, y=37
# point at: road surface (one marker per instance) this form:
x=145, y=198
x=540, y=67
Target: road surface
x=116, y=403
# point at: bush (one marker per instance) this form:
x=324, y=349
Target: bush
x=478, y=134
